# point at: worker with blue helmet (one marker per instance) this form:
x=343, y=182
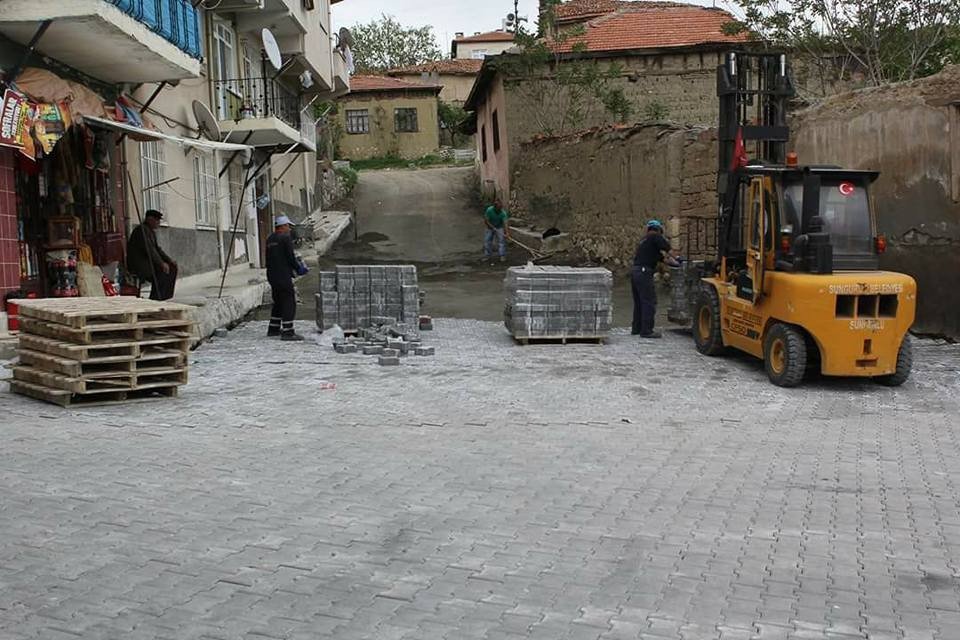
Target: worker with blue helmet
x=653, y=249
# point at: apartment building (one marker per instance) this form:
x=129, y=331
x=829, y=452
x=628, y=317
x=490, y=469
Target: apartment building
x=104, y=91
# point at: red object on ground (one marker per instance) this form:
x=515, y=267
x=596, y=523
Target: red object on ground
x=13, y=316
x=108, y=287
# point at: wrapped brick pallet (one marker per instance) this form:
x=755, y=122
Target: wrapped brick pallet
x=558, y=303
x=353, y=296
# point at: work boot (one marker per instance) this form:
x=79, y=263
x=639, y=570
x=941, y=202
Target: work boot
x=273, y=330
x=292, y=337
x=652, y=334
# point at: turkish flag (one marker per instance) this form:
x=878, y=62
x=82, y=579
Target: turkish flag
x=739, y=152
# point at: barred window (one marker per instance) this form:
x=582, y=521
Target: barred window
x=153, y=171
x=405, y=120
x=205, y=190
x=358, y=121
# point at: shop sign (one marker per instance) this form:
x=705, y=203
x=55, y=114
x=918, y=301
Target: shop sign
x=50, y=122
x=15, y=116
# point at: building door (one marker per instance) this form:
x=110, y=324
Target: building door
x=227, y=92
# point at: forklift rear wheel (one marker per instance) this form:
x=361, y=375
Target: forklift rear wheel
x=904, y=365
x=706, y=323
x=785, y=355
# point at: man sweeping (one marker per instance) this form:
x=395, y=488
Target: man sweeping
x=282, y=264
x=495, y=218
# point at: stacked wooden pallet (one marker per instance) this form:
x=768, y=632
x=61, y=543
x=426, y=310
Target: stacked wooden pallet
x=97, y=350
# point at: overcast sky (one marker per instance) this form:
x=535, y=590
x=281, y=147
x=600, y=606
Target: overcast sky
x=446, y=16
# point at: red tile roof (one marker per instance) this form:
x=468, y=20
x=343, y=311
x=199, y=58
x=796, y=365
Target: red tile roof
x=582, y=10
x=654, y=27
x=490, y=36
x=454, y=67
x=359, y=84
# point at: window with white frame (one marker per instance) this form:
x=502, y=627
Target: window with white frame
x=153, y=171
x=225, y=68
x=235, y=177
x=205, y=190
x=479, y=54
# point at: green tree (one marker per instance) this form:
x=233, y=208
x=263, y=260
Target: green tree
x=385, y=44
x=451, y=117
x=885, y=40
x=560, y=87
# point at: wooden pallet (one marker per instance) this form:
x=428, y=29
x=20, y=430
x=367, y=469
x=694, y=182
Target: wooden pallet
x=101, y=367
x=97, y=398
x=145, y=377
x=105, y=333
x=105, y=351
x=85, y=313
x=525, y=340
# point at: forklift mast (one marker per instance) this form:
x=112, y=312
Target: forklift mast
x=754, y=89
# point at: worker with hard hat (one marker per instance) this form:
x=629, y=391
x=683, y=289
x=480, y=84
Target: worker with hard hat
x=282, y=264
x=653, y=249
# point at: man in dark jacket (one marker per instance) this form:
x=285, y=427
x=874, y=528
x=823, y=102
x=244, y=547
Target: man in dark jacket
x=282, y=264
x=651, y=250
x=147, y=261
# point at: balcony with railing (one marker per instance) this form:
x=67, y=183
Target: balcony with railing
x=111, y=40
x=261, y=112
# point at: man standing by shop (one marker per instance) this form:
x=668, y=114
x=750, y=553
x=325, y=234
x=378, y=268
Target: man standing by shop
x=495, y=219
x=282, y=264
x=147, y=261
x=651, y=250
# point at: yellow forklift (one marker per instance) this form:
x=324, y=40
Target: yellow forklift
x=796, y=281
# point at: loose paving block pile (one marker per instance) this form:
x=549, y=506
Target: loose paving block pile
x=558, y=303
x=387, y=339
x=97, y=350
x=353, y=295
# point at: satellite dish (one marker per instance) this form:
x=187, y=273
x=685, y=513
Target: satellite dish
x=271, y=48
x=345, y=37
x=209, y=128
x=511, y=17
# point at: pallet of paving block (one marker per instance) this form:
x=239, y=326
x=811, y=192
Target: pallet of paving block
x=91, y=353
x=571, y=339
x=69, y=399
x=97, y=336
x=148, y=376
x=84, y=313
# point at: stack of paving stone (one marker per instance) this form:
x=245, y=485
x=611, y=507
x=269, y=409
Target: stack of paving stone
x=75, y=351
x=556, y=302
x=353, y=295
x=387, y=339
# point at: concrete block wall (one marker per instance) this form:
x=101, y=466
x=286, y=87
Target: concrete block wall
x=603, y=185
x=909, y=132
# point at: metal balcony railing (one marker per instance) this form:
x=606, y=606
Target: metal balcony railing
x=177, y=21
x=243, y=98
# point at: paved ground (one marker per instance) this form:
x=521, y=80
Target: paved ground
x=421, y=216
x=635, y=490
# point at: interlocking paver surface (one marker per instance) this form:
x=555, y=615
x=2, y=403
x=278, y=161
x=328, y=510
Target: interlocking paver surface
x=633, y=490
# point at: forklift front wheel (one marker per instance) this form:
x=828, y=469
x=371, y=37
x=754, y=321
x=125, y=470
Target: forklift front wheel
x=706, y=323
x=785, y=355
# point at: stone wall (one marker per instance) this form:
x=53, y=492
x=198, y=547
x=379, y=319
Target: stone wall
x=602, y=186
x=911, y=134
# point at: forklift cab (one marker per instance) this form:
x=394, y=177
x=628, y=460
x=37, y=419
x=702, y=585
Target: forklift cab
x=805, y=220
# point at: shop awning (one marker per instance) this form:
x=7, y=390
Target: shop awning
x=139, y=132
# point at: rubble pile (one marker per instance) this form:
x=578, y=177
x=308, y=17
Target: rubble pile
x=556, y=302
x=353, y=296
x=387, y=339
